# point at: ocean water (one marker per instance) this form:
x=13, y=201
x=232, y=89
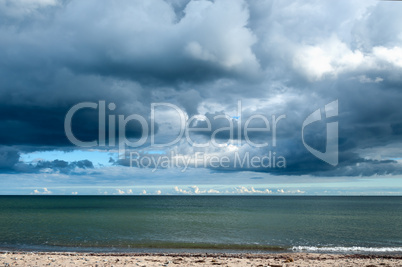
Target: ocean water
x=201, y=223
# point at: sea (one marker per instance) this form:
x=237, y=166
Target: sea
x=228, y=224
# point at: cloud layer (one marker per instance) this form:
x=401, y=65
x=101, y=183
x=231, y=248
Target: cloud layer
x=278, y=57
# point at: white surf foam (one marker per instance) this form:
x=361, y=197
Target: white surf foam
x=346, y=249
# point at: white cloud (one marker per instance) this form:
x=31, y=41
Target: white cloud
x=213, y=191
x=329, y=57
x=74, y=193
x=182, y=191
x=333, y=57
x=158, y=192
x=224, y=40
x=195, y=190
x=297, y=191
x=250, y=190
x=45, y=191
x=390, y=55
x=120, y=192
x=18, y=8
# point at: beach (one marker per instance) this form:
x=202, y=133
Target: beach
x=183, y=259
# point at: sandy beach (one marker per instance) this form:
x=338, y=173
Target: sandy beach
x=144, y=259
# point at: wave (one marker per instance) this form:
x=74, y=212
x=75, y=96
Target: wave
x=144, y=247
x=184, y=246
x=346, y=249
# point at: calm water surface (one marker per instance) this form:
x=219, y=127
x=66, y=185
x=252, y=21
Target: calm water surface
x=254, y=223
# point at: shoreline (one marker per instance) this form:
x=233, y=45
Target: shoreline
x=202, y=250
x=23, y=258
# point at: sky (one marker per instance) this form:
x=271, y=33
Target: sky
x=200, y=97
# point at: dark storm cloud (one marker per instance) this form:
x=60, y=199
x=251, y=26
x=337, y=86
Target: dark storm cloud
x=138, y=41
x=63, y=166
x=8, y=158
x=44, y=126
x=279, y=57
x=63, y=57
x=58, y=166
x=11, y=163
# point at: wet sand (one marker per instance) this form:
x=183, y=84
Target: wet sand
x=183, y=259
